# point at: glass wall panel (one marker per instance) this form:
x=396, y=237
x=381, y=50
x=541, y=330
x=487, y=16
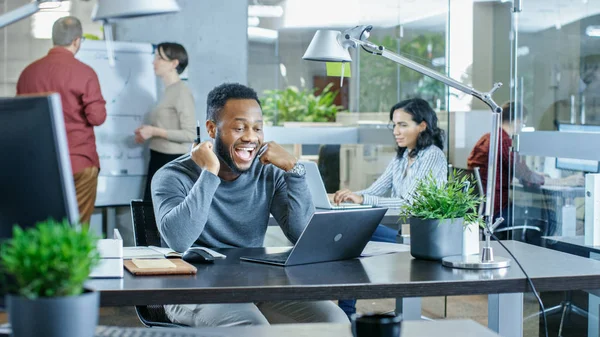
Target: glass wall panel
x=291, y=88
x=556, y=60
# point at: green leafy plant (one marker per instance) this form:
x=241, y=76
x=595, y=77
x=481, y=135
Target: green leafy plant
x=383, y=83
x=438, y=201
x=300, y=105
x=52, y=259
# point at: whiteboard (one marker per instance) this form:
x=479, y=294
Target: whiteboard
x=130, y=91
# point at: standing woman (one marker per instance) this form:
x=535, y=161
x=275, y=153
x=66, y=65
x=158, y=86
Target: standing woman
x=172, y=127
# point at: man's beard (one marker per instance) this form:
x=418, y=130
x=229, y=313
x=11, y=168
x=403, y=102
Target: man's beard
x=224, y=155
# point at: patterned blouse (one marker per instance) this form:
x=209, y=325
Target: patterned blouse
x=403, y=183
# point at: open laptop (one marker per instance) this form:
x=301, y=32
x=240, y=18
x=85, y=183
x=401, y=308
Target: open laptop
x=329, y=236
x=318, y=191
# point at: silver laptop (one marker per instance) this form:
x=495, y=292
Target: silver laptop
x=329, y=236
x=318, y=191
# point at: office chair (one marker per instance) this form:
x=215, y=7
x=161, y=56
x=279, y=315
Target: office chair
x=145, y=233
x=540, y=230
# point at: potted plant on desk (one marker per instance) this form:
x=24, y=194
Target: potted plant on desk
x=438, y=215
x=46, y=267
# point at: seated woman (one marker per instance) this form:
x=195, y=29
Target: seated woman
x=420, y=145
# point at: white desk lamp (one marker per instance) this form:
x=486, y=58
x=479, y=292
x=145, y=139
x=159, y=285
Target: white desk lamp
x=332, y=46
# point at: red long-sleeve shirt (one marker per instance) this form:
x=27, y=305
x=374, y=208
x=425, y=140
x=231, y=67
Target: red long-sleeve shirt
x=81, y=97
x=479, y=158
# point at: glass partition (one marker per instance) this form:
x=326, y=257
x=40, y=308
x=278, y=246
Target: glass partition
x=556, y=53
x=297, y=93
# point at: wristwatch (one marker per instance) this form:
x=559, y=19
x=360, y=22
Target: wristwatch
x=298, y=170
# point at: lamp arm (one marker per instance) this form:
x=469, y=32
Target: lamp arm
x=349, y=40
x=380, y=50
x=18, y=13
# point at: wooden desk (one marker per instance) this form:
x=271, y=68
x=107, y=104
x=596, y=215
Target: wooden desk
x=463, y=328
x=387, y=276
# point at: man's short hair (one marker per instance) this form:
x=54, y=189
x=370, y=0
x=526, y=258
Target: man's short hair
x=66, y=30
x=508, y=109
x=218, y=97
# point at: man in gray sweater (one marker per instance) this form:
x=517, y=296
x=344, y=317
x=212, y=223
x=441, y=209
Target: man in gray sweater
x=221, y=195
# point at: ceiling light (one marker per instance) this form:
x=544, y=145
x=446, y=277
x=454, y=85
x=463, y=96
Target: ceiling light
x=265, y=11
x=257, y=34
x=523, y=51
x=123, y=9
x=253, y=21
x=49, y=5
x=42, y=21
x=593, y=31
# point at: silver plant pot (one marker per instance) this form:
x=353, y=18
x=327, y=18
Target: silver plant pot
x=71, y=316
x=435, y=239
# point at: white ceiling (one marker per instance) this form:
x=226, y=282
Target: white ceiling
x=347, y=13
x=542, y=14
x=536, y=14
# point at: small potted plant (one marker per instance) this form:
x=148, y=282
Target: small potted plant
x=46, y=267
x=438, y=215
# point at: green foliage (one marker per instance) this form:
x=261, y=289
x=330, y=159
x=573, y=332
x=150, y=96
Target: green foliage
x=380, y=88
x=451, y=200
x=294, y=105
x=88, y=36
x=52, y=259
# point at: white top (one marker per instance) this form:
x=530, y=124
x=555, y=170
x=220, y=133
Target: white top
x=403, y=183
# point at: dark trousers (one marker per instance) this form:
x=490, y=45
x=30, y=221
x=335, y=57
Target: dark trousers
x=381, y=234
x=157, y=160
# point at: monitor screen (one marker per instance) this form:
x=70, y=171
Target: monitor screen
x=578, y=164
x=37, y=182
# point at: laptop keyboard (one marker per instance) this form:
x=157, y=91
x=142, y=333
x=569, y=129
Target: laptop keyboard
x=111, y=331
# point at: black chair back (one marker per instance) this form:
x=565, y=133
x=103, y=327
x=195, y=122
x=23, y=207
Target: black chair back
x=145, y=230
x=145, y=233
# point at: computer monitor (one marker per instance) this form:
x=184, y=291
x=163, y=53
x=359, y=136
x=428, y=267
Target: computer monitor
x=37, y=181
x=583, y=165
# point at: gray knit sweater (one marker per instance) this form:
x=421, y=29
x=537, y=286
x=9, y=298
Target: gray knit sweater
x=196, y=207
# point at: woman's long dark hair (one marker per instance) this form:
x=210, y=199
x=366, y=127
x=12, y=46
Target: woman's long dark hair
x=420, y=111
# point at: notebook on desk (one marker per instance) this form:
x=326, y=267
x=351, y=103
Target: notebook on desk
x=139, y=267
x=318, y=191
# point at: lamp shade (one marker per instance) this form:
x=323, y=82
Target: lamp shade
x=123, y=9
x=326, y=47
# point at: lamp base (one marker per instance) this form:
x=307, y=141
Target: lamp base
x=475, y=262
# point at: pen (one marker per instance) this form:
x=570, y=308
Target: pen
x=262, y=150
x=198, y=141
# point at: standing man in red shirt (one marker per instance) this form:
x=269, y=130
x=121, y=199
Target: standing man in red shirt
x=82, y=103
